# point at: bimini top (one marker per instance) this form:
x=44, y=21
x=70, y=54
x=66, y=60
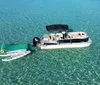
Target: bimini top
x=57, y=27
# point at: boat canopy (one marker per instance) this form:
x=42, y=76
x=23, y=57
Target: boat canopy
x=57, y=27
x=7, y=47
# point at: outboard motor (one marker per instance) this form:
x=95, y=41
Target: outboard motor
x=36, y=41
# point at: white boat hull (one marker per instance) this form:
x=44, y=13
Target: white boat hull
x=67, y=45
x=16, y=56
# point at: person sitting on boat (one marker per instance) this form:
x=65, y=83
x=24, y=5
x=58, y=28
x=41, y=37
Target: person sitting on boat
x=57, y=37
x=52, y=36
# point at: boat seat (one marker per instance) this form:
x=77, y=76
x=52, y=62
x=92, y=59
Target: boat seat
x=46, y=37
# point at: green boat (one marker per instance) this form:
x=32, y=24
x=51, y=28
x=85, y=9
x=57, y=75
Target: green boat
x=14, y=51
x=8, y=47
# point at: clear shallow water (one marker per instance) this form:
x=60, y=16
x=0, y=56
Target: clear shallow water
x=20, y=21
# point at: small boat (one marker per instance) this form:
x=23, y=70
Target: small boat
x=14, y=51
x=16, y=56
x=9, y=53
x=62, y=38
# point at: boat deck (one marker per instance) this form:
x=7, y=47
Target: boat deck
x=60, y=36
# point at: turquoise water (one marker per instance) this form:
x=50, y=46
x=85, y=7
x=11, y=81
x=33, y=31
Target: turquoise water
x=21, y=20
